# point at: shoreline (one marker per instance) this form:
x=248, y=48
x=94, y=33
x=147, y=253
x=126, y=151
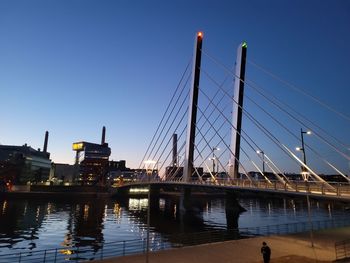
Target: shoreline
x=293, y=248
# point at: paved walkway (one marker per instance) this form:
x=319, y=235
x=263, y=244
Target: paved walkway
x=294, y=248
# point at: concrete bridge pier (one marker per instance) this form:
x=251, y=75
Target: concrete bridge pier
x=233, y=210
x=154, y=199
x=185, y=201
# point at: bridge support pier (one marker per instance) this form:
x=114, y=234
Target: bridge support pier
x=154, y=199
x=233, y=210
x=185, y=201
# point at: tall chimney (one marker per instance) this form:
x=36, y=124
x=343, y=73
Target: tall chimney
x=103, y=140
x=46, y=141
x=174, y=150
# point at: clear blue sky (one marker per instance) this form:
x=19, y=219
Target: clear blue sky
x=72, y=66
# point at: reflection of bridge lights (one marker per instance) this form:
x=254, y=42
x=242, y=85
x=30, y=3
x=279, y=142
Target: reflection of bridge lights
x=105, y=212
x=137, y=204
x=86, y=211
x=162, y=204
x=49, y=208
x=25, y=209
x=117, y=210
x=37, y=213
x=4, y=207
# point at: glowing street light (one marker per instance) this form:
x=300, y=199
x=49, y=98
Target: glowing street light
x=263, y=159
x=304, y=171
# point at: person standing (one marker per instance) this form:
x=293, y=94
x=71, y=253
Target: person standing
x=266, y=252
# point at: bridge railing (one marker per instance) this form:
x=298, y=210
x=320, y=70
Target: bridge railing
x=338, y=189
x=342, y=249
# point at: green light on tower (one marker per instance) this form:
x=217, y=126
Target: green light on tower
x=244, y=44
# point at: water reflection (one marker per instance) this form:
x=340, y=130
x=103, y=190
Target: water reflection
x=89, y=223
x=20, y=223
x=85, y=225
x=22, y=220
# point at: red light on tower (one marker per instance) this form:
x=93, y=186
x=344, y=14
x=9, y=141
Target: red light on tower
x=200, y=34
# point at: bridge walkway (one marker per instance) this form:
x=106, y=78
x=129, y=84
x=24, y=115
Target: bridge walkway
x=338, y=191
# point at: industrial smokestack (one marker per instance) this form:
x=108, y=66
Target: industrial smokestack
x=174, y=149
x=103, y=140
x=46, y=141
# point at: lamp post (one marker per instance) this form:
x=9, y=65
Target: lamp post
x=214, y=158
x=263, y=160
x=149, y=170
x=304, y=172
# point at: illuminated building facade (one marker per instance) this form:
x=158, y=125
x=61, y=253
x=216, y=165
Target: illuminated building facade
x=93, y=161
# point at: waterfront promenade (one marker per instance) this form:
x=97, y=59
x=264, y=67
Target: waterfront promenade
x=295, y=248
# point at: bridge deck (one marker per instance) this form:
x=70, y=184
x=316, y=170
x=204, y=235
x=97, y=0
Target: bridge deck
x=336, y=191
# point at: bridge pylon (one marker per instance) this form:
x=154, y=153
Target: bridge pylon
x=192, y=115
x=238, y=93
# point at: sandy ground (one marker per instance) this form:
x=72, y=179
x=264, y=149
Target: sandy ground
x=289, y=248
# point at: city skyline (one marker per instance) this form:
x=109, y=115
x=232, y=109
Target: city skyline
x=71, y=67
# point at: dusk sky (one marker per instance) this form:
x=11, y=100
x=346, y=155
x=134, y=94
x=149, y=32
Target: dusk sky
x=73, y=66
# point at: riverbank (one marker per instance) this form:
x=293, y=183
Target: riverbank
x=295, y=248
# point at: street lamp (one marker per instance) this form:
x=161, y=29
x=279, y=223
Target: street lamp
x=305, y=174
x=214, y=158
x=149, y=170
x=304, y=171
x=263, y=159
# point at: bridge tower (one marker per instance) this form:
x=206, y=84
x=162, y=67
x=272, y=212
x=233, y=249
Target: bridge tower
x=238, y=92
x=192, y=113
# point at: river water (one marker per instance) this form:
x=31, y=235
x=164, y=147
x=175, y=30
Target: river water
x=40, y=224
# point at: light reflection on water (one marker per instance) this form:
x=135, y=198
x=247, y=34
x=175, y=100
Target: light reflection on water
x=38, y=224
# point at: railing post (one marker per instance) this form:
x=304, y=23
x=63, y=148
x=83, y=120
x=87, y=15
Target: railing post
x=124, y=247
x=55, y=255
x=45, y=256
x=101, y=257
x=338, y=190
x=20, y=257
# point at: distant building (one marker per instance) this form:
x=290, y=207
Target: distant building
x=23, y=164
x=64, y=173
x=93, y=161
x=118, y=173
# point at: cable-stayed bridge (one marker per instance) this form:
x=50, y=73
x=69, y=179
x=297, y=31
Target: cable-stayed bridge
x=224, y=130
